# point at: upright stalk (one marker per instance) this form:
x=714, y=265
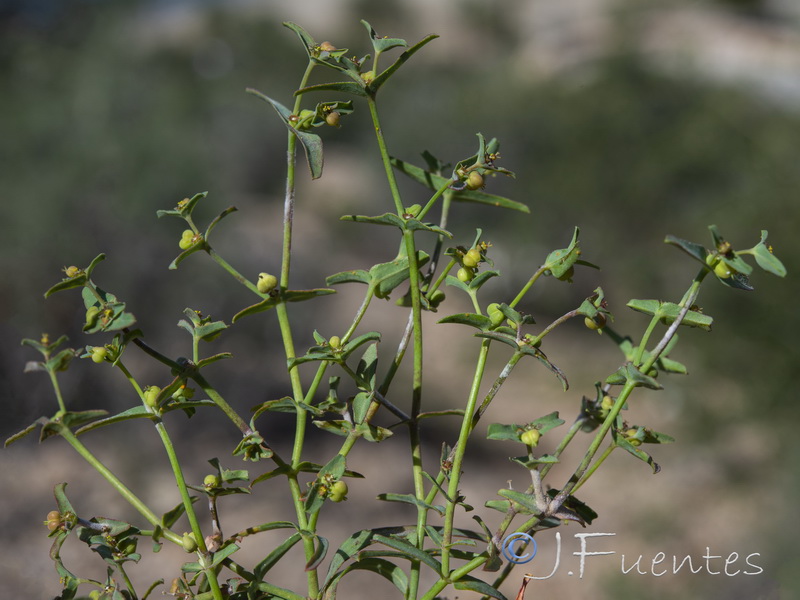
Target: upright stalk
x=418, y=538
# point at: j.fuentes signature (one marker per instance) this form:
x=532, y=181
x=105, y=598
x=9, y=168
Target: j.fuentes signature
x=659, y=565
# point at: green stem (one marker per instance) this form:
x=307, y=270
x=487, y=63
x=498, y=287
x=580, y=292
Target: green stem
x=288, y=342
x=596, y=465
x=180, y=480
x=121, y=488
x=687, y=301
x=527, y=286
x=62, y=407
x=456, y=575
x=233, y=272
x=458, y=458
x=418, y=539
x=221, y=403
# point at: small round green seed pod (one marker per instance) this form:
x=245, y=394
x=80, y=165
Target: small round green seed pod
x=333, y=118
x=99, y=354
x=471, y=258
x=188, y=542
x=530, y=437
x=266, y=283
x=151, y=395
x=465, y=274
x=338, y=491
x=474, y=181
x=211, y=481
x=335, y=342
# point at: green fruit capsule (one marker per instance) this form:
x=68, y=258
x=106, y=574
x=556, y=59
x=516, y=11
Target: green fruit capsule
x=465, y=274
x=335, y=342
x=188, y=542
x=474, y=181
x=185, y=243
x=436, y=298
x=266, y=283
x=413, y=210
x=92, y=314
x=72, y=271
x=99, y=354
x=211, y=481
x=607, y=403
x=596, y=323
x=151, y=395
x=332, y=118
x=722, y=270
x=471, y=258
x=338, y=491
x=53, y=520
x=530, y=437
x=494, y=313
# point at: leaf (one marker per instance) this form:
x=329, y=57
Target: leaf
x=359, y=276
x=630, y=372
x=383, y=77
x=319, y=553
x=531, y=463
x=476, y=585
x=409, y=551
x=372, y=433
x=381, y=44
x=696, y=251
x=559, y=262
x=435, y=181
x=367, y=368
x=184, y=208
x=526, y=501
x=223, y=553
x=217, y=219
x=312, y=143
x=273, y=557
x=380, y=566
x=137, y=412
x=638, y=453
x=385, y=277
x=410, y=499
x=766, y=260
x=21, y=434
x=345, y=87
x=481, y=322
x=498, y=431
x=669, y=312
x=307, y=40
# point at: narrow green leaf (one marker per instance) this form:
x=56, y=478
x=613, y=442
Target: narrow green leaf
x=345, y=87
x=696, y=251
x=410, y=499
x=137, y=412
x=217, y=219
x=21, y=434
x=383, y=77
x=319, y=553
x=409, y=551
x=481, y=322
x=359, y=276
x=476, y=585
x=311, y=142
x=273, y=557
x=381, y=44
x=305, y=38
x=434, y=181
x=526, y=501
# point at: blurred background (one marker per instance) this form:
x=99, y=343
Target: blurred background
x=630, y=120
